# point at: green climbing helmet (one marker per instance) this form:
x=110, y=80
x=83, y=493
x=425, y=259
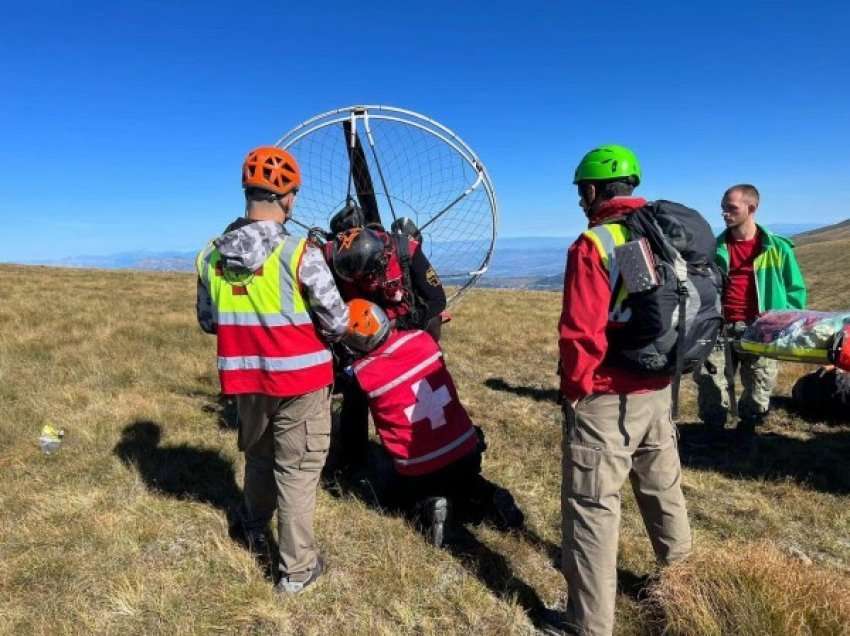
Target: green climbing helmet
x=608, y=162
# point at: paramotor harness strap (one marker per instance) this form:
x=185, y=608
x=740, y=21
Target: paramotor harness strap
x=417, y=311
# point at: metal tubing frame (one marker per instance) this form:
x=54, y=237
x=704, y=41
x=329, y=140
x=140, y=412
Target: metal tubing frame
x=444, y=134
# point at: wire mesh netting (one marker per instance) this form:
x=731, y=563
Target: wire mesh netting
x=410, y=167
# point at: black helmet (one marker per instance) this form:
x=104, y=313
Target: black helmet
x=359, y=252
x=349, y=217
x=405, y=225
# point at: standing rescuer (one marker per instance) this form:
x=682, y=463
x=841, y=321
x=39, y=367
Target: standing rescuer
x=762, y=274
x=273, y=303
x=618, y=422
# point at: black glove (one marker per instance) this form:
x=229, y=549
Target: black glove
x=318, y=237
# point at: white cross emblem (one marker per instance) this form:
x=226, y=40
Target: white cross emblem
x=430, y=404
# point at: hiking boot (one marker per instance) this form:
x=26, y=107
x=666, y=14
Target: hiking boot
x=552, y=622
x=508, y=516
x=285, y=586
x=747, y=425
x=433, y=514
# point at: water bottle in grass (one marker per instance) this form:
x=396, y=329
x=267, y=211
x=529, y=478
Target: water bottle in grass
x=50, y=439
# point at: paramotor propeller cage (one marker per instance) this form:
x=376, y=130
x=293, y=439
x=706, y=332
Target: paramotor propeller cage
x=395, y=164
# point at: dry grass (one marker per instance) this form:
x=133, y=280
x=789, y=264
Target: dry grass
x=749, y=589
x=122, y=532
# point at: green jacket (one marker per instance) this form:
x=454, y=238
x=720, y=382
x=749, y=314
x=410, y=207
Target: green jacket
x=779, y=281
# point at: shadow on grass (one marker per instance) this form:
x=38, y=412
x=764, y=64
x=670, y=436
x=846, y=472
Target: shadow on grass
x=817, y=413
x=819, y=462
x=494, y=571
x=222, y=406
x=533, y=392
x=181, y=471
x=490, y=567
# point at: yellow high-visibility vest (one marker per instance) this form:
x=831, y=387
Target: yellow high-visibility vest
x=267, y=342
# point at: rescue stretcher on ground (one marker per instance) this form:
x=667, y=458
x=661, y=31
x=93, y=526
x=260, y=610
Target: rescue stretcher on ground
x=814, y=337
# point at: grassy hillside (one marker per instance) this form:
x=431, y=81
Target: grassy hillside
x=834, y=232
x=124, y=531
x=826, y=267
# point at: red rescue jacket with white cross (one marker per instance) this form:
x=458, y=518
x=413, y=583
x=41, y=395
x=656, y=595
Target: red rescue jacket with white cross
x=414, y=402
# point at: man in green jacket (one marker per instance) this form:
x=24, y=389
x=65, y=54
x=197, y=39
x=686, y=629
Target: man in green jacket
x=762, y=274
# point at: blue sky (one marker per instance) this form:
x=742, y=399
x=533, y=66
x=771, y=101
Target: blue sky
x=124, y=123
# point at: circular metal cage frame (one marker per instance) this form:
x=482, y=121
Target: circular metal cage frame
x=358, y=118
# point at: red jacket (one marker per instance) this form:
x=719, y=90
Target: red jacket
x=414, y=402
x=583, y=328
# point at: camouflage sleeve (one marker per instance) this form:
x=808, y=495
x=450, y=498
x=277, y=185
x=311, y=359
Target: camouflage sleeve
x=325, y=302
x=204, y=308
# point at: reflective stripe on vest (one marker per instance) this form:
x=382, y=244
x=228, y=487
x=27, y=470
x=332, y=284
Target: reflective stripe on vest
x=414, y=404
x=606, y=238
x=437, y=453
x=267, y=342
x=265, y=363
x=404, y=377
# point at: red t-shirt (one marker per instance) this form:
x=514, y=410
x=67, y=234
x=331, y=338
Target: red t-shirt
x=740, y=300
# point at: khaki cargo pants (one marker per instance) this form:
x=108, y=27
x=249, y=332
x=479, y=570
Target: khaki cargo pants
x=758, y=377
x=609, y=438
x=286, y=443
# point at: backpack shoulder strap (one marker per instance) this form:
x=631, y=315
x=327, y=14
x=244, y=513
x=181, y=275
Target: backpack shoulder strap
x=402, y=245
x=606, y=237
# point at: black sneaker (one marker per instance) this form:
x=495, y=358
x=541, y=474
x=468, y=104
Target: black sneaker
x=287, y=587
x=433, y=514
x=747, y=425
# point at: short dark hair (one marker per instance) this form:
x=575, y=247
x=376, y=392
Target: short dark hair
x=746, y=190
x=258, y=194
x=609, y=189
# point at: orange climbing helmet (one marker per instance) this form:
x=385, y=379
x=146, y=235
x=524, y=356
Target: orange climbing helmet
x=271, y=168
x=368, y=325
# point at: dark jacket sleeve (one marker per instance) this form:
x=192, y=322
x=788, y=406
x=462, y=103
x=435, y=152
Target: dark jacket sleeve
x=204, y=309
x=427, y=285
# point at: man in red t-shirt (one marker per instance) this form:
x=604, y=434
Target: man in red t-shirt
x=762, y=274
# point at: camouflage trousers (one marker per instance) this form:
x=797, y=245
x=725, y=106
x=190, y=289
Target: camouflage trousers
x=758, y=379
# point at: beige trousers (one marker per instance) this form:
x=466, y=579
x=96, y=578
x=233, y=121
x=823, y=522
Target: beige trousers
x=286, y=443
x=609, y=438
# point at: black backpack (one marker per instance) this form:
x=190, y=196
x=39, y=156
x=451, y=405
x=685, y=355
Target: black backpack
x=674, y=325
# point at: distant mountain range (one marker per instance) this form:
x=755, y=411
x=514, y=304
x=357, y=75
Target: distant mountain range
x=524, y=263
x=538, y=263
x=146, y=260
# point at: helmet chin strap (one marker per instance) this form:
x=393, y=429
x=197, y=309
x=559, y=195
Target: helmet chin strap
x=286, y=212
